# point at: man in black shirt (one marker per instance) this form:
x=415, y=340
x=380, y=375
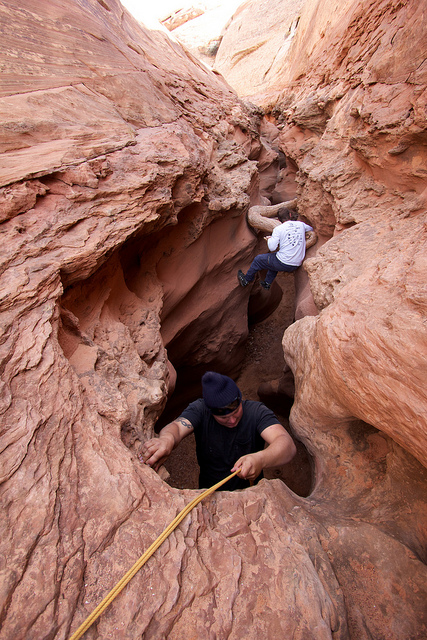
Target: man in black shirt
x=230, y=434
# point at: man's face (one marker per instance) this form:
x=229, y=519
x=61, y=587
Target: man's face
x=231, y=419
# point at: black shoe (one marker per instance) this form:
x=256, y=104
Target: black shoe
x=265, y=284
x=241, y=278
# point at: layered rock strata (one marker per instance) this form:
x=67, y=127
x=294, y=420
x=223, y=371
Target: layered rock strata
x=112, y=137
x=127, y=170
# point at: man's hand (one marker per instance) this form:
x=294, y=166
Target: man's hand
x=155, y=452
x=267, y=237
x=280, y=450
x=251, y=466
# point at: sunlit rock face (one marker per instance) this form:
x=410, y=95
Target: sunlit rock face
x=256, y=43
x=199, y=26
x=126, y=173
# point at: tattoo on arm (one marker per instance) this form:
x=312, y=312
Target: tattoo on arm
x=184, y=422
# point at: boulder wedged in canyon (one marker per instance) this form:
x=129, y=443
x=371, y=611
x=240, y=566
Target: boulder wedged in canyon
x=127, y=172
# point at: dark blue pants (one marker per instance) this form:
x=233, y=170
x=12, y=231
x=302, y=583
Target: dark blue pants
x=269, y=262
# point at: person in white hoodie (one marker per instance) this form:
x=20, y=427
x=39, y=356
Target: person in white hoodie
x=287, y=244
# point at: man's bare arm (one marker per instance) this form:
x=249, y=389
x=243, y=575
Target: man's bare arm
x=280, y=450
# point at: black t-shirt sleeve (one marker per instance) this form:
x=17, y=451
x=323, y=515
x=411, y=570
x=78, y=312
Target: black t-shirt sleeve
x=194, y=412
x=262, y=416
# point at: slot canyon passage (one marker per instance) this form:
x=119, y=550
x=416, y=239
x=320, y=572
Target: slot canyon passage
x=128, y=172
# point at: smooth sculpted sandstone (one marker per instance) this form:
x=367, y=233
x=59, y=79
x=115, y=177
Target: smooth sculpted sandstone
x=200, y=26
x=349, y=99
x=360, y=184
x=127, y=171
x=256, y=42
x=353, y=119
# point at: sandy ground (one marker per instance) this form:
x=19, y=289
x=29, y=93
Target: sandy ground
x=263, y=362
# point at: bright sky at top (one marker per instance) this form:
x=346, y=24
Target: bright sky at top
x=150, y=11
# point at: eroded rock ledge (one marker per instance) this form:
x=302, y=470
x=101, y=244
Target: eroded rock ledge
x=127, y=170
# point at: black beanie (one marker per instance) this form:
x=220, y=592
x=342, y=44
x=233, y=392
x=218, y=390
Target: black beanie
x=219, y=390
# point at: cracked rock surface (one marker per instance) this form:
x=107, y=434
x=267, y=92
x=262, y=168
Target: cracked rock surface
x=126, y=173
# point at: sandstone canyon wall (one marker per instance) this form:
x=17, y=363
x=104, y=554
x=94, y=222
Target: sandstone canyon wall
x=127, y=170
x=350, y=100
x=256, y=42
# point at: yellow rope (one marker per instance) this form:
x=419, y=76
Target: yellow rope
x=143, y=559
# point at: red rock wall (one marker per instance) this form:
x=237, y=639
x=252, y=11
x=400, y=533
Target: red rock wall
x=349, y=98
x=112, y=137
x=351, y=108
x=256, y=43
x=126, y=172
x=357, y=126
